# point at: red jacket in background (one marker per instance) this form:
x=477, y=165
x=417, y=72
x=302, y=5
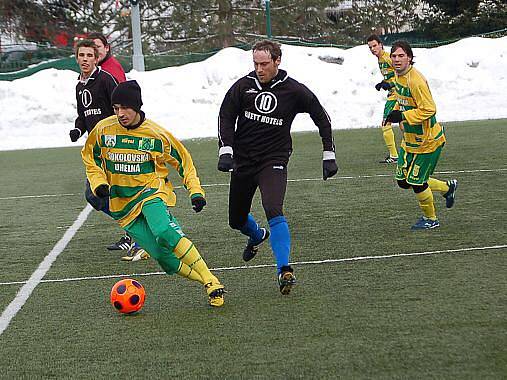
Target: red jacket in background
x=113, y=67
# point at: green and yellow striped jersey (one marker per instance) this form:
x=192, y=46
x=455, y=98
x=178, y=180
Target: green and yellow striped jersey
x=133, y=163
x=385, y=65
x=421, y=131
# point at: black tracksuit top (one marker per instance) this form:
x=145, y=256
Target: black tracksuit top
x=255, y=118
x=94, y=99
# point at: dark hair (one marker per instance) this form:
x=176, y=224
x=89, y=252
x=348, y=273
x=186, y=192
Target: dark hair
x=98, y=36
x=271, y=47
x=405, y=46
x=87, y=43
x=374, y=37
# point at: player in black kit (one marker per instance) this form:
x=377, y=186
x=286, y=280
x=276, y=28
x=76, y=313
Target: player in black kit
x=255, y=145
x=93, y=91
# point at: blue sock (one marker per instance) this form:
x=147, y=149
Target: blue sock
x=251, y=229
x=280, y=240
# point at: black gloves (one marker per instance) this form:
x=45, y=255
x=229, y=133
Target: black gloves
x=74, y=134
x=198, y=203
x=225, y=162
x=102, y=191
x=329, y=168
x=383, y=85
x=394, y=117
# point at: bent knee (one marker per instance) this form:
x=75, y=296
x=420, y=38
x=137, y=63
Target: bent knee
x=169, y=238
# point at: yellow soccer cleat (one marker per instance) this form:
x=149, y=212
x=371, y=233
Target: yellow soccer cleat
x=215, y=294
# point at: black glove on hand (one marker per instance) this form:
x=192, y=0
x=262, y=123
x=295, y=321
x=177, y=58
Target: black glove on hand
x=74, y=134
x=225, y=162
x=198, y=203
x=383, y=85
x=394, y=117
x=102, y=191
x=329, y=168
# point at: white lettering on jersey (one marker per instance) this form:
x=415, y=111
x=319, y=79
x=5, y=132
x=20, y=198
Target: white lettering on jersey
x=93, y=111
x=128, y=157
x=263, y=118
x=127, y=168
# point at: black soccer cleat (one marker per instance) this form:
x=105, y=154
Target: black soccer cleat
x=389, y=160
x=450, y=196
x=124, y=244
x=251, y=248
x=286, y=279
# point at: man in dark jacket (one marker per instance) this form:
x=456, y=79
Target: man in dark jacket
x=93, y=91
x=255, y=145
x=106, y=60
x=93, y=96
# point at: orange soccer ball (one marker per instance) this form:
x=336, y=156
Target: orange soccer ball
x=127, y=296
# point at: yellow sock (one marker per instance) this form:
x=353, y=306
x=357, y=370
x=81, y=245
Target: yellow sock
x=189, y=255
x=437, y=185
x=185, y=271
x=387, y=132
x=426, y=204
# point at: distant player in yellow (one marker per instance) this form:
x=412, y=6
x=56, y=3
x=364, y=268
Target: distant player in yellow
x=386, y=68
x=125, y=157
x=423, y=137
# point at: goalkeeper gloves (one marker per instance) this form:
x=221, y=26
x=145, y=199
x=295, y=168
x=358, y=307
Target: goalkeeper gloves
x=394, y=117
x=329, y=167
x=74, y=134
x=198, y=203
x=225, y=162
x=383, y=85
x=102, y=191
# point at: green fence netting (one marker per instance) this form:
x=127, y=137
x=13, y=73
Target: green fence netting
x=28, y=62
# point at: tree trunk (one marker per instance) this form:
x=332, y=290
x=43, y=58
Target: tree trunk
x=225, y=35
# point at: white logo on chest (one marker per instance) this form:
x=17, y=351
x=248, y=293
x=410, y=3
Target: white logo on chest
x=265, y=102
x=86, y=98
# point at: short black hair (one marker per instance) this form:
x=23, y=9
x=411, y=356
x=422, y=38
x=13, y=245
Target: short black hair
x=405, y=46
x=86, y=43
x=98, y=36
x=374, y=37
x=271, y=47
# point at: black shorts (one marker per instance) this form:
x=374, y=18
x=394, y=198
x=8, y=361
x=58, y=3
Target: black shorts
x=271, y=179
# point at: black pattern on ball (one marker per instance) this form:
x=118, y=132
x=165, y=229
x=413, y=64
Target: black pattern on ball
x=121, y=289
x=134, y=300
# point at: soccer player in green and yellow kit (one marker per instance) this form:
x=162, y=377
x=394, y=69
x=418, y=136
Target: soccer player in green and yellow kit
x=423, y=137
x=386, y=68
x=125, y=157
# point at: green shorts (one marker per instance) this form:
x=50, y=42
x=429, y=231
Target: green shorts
x=416, y=168
x=388, y=107
x=158, y=232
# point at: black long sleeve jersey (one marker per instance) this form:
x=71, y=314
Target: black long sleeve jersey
x=255, y=118
x=93, y=97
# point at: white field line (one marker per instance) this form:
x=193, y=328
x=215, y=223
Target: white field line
x=37, y=276
x=361, y=176
x=296, y=263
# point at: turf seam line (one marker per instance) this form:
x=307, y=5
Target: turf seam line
x=295, y=263
x=360, y=176
x=26, y=290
